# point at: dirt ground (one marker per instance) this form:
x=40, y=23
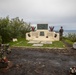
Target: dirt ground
x=36, y=61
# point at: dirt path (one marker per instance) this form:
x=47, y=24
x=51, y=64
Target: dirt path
x=28, y=61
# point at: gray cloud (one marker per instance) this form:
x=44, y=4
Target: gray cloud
x=54, y=12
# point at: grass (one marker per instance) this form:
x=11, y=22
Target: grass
x=55, y=44
x=69, y=41
x=20, y=42
x=24, y=43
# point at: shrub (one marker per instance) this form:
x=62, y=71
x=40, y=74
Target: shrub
x=72, y=37
x=0, y=40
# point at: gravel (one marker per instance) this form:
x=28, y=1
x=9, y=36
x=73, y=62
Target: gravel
x=41, y=61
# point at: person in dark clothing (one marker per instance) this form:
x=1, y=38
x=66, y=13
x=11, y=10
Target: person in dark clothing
x=61, y=32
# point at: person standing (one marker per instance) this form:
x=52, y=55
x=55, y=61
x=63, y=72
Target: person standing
x=61, y=32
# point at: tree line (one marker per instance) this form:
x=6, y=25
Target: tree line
x=12, y=28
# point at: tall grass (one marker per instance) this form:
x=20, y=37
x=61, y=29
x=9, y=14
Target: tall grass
x=72, y=37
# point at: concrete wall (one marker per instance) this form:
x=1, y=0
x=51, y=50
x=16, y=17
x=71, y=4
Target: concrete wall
x=48, y=35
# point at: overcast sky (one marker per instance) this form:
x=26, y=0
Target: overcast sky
x=54, y=12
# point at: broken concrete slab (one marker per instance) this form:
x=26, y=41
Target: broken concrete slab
x=33, y=42
x=37, y=45
x=74, y=45
x=46, y=42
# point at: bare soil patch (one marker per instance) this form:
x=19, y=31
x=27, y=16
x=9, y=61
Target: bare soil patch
x=37, y=61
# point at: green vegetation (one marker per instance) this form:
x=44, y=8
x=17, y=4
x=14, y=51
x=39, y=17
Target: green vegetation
x=20, y=42
x=24, y=43
x=17, y=28
x=0, y=40
x=72, y=37
x=12, y=28
x=68, y=41
x=55, y=44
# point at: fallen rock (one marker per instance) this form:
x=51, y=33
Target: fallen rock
x=74, y=45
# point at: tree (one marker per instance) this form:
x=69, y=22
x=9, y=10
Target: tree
x=4, y=29
x=13, y=28
x=18, y=27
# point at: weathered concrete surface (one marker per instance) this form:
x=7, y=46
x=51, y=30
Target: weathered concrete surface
x=46, y=42
x=34, y=41
x=37, y=45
